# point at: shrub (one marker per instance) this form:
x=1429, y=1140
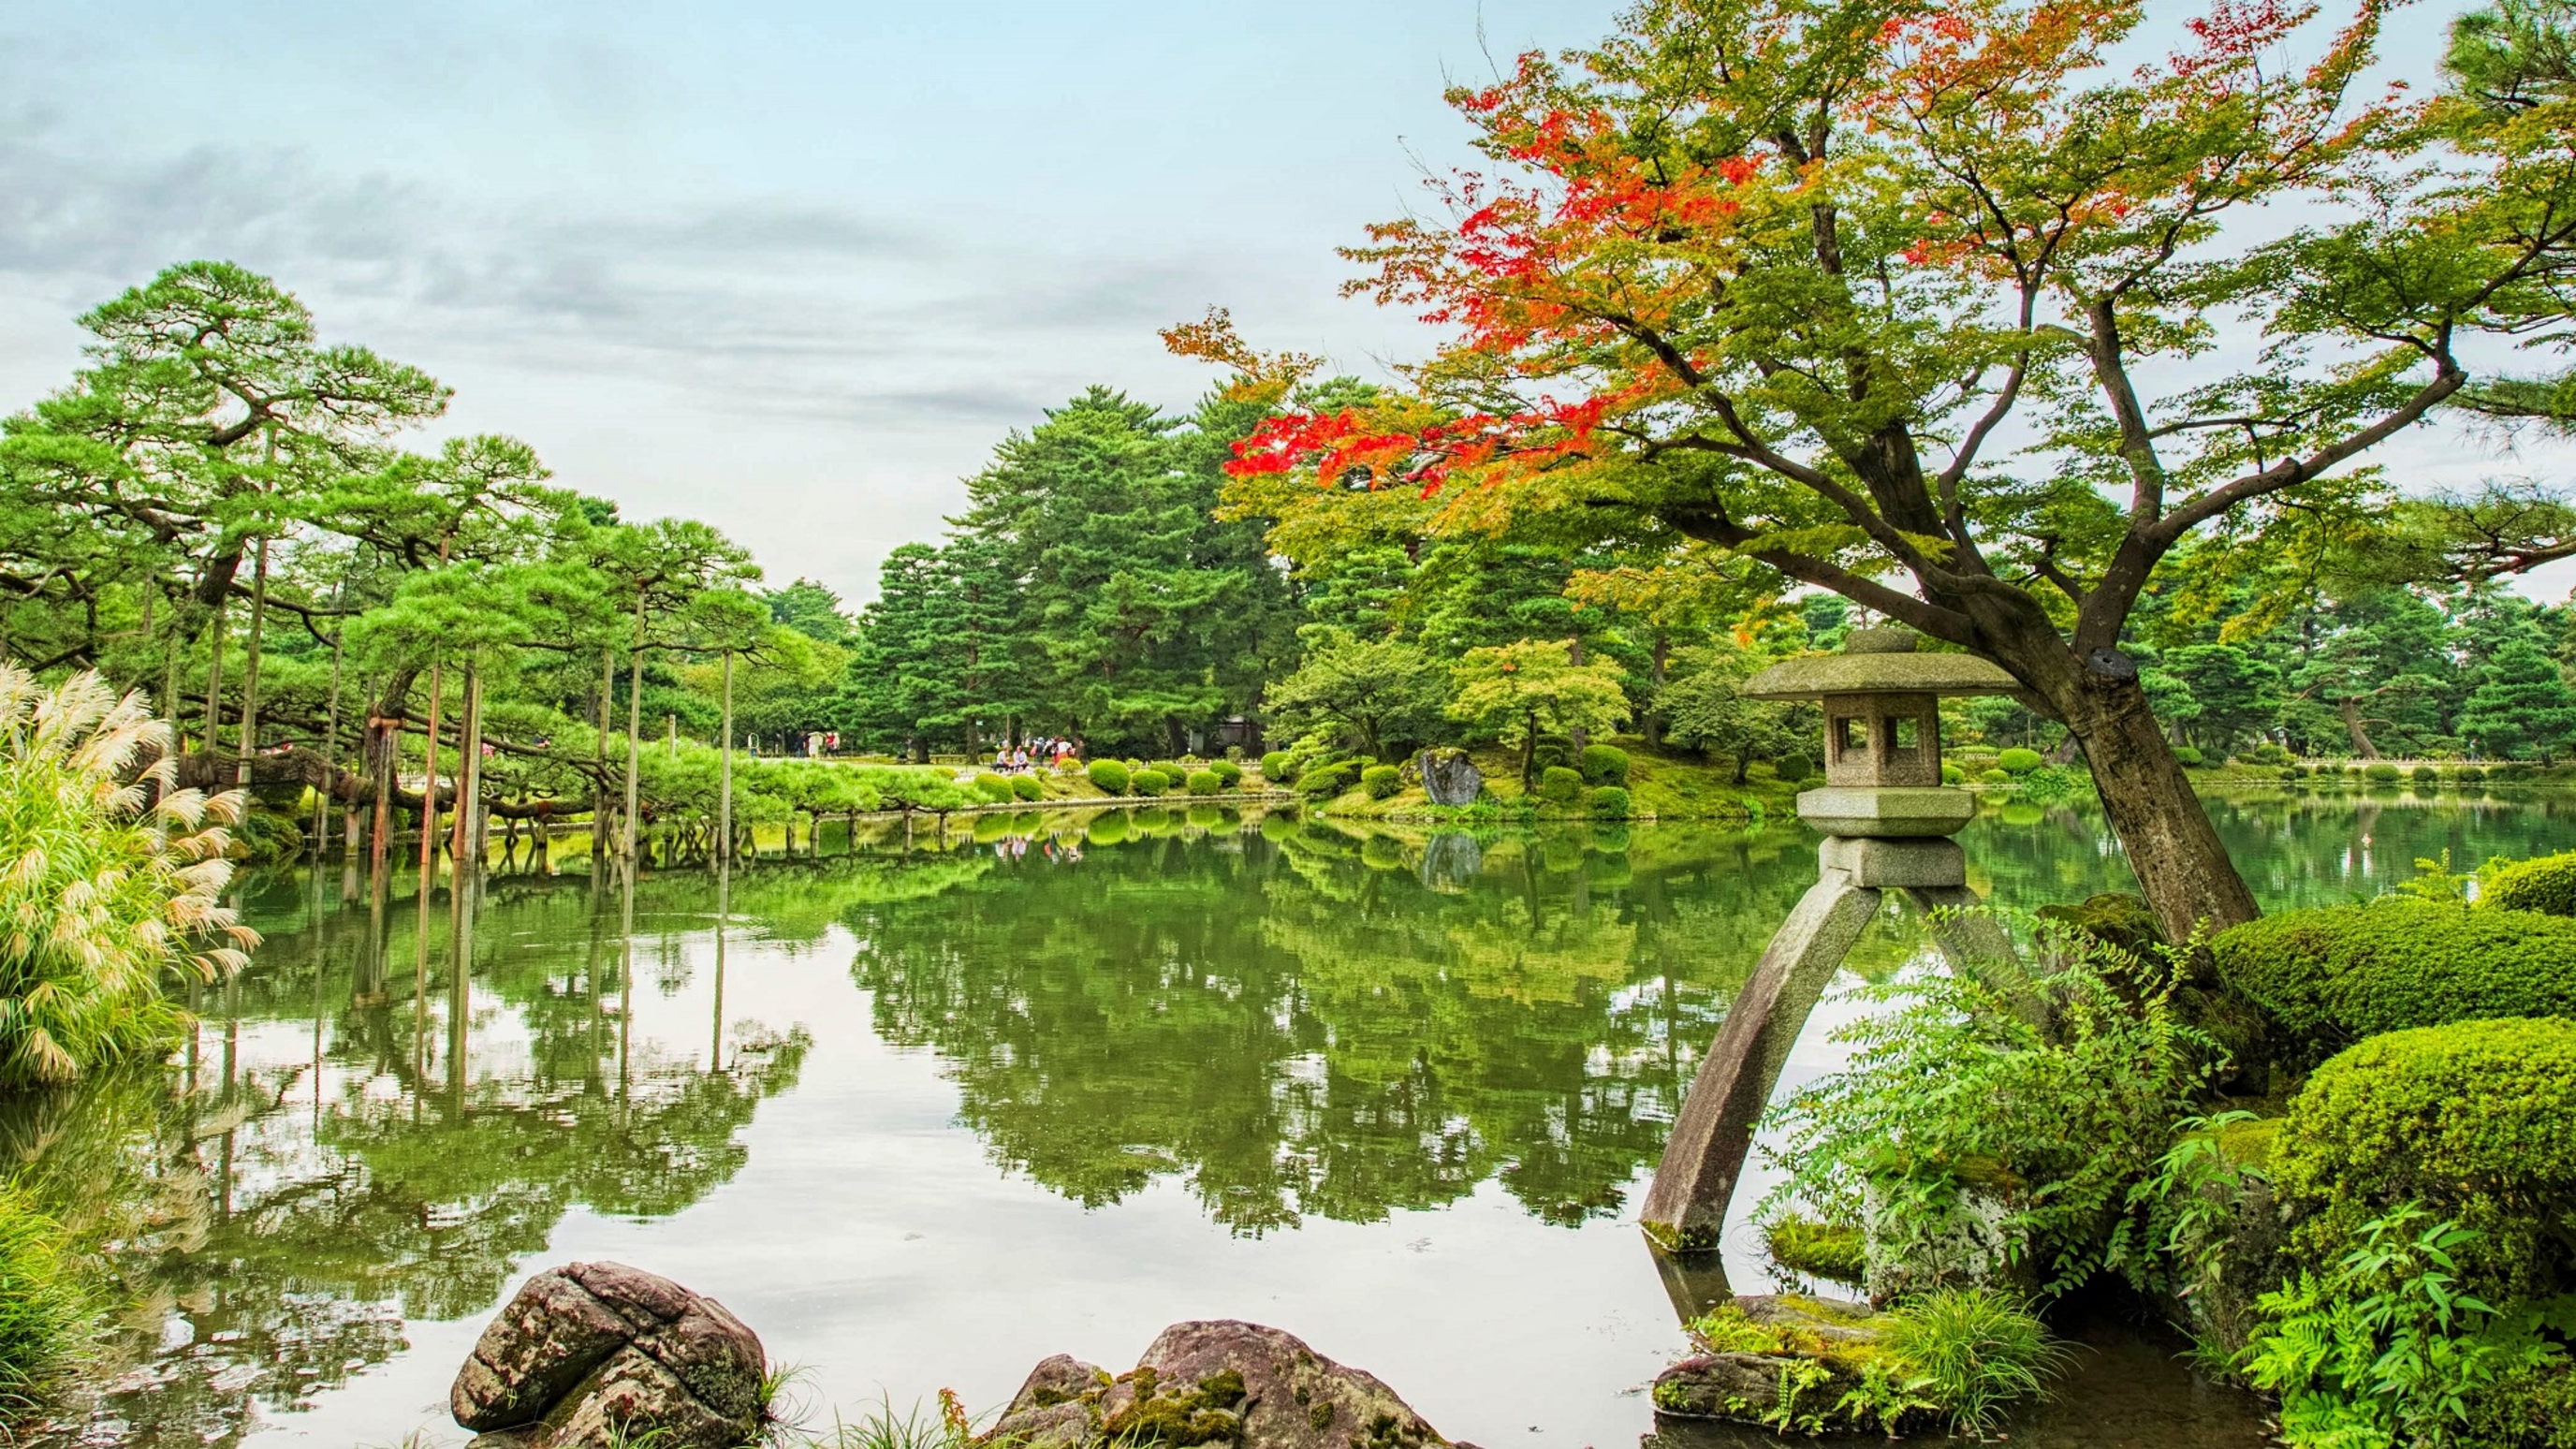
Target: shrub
x=1026, y=787
x=1381, y=780
x=42, y=1309
x=1952, y=774
x=1277, y=768
x=992, y=787
x=2331, y=976
x=2428, y=774
x=2268, y=753
x=1793, y=767
x=1603, y=765
x=2546, y=885
x=1995, y=777
x=1609, y=802
x=1325, y=782
x=2476, y=1122
x=2380, y=772
x=125, y=892
x=2294, y=772
x=2469, y=775
x=1111, y=776
x=1228, y=773
x=1203, y=782
x=1149, y=781
x=2018, y=761
x=2190, y=758
x=1559, y=785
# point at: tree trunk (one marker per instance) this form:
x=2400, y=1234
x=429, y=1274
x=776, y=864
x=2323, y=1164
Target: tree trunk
x=2361, y=744
x=250, y=667
x=429, y=788
x=2181, y=864
x=634, y=728
x=1651, y=723
x=215, y=677
x=599, y=754
x=724, y=771
x=1529, y=750
x=330, y=756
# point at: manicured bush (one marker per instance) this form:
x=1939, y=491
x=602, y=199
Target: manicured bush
x=105, y=894
x=2380, y=772
x=1203, y=782
x=2333, y=976
x=992, y=788
x=1026, y=787
x=1559, y=785
x=1111, y=776
x=1603, y=765
x=1277, y=768
x=1228, y=773
x=1952, y=774
x=1149, y=782
x=2546, y=885
x=1793, y=767
x=2294, y=772
x=2269, y=753
x=1325, y=782
x=1609, y=802
x=2477, y=1122
x=1995, y=777
x=2191, y=758
x=2469, y=775
x=2018, y=761
x=1381, y=780
x=2428, y=774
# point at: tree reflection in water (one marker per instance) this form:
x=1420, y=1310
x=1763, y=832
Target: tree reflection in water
x=1291, y=1019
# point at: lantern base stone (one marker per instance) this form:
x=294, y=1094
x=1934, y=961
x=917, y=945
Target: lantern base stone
x=1887, y=812
x=1912, y=864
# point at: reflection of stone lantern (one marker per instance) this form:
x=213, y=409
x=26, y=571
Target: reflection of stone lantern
x=1887, y=820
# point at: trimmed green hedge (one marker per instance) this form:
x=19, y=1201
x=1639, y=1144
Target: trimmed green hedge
x=2333, y=976
x=1559, y=785
x=1603, y=765
x=992, y=788
x=2018, y=761
x=2382, y=773
x=1109, y=775
x=2546, y=885
x=1203, y=782
x=1325, y=782
x=1790, y=768
x=1228, y=773
x=1026, y=787
x=1276, y=769
x=1149, y=782
x=2189, y=758
x=1609, y=802
x=2476, y=1121
x=1381, y=780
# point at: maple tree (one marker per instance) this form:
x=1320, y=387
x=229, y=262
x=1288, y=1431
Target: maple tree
x=1948, y=310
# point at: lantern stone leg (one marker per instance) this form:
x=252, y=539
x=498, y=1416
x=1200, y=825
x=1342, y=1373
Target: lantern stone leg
x=1686, y=1207
x=1887, y=822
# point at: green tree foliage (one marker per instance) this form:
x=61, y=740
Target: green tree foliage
x=1525, y=691
x=2522, y=708
x=1381, y=696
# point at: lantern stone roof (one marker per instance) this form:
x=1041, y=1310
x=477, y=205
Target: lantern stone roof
x=1879, y=661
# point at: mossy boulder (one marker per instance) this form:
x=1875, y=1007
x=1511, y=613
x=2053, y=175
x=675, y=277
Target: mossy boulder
x=594, y=1354
x=1211, y=1382
x=1786, y=1362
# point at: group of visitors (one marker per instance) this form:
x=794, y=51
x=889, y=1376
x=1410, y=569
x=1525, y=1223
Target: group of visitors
x=1040, y=750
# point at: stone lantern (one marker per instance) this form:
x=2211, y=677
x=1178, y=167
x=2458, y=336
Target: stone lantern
x=1887, y=821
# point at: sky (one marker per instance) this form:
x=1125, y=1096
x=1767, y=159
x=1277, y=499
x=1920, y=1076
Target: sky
x=793, y=268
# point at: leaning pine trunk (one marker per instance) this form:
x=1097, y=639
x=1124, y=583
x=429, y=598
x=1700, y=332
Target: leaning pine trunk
x=2182, y=865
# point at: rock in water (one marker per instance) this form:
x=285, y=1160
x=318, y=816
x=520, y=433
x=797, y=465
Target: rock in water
x=1450, y=778
x=1217, y=1382
x=594, y=1354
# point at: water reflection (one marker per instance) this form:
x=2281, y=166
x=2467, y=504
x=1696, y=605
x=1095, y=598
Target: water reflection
x=382, y=1121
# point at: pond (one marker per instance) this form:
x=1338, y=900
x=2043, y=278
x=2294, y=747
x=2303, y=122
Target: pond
x=924, y=1117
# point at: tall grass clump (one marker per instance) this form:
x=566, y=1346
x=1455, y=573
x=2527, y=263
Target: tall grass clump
x=101, y=889
x=1974, y=1351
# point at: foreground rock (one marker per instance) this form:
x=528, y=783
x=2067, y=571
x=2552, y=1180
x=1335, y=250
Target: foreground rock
x=1785, y=1362
x=1217, y=1382
x=1450, y=778
x=592, y=1355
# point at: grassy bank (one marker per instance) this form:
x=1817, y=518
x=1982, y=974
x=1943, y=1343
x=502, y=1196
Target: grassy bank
x=1659, y=786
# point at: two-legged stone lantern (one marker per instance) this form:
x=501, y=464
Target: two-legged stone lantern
x=1887, y=822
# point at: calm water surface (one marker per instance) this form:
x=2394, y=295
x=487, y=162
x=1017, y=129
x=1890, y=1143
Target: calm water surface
x=922, y=1118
